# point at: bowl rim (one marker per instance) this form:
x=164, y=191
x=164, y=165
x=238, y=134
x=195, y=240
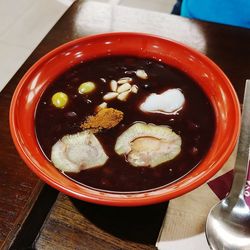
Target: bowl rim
x=109, y=198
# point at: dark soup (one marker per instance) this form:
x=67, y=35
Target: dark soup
x=122, y=123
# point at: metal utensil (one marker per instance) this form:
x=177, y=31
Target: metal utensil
x=228, y=223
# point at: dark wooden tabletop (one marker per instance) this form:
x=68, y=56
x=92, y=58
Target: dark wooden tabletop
x=33, y=215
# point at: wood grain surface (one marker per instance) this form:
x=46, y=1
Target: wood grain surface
x=74, y=224
x=19, y=187
x=77, y=225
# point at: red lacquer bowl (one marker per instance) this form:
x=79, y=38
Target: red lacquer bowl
x=212, y=80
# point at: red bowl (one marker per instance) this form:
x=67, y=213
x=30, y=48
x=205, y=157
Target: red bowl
x=212, y=80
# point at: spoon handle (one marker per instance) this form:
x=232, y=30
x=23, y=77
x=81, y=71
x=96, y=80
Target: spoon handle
x=241, y=164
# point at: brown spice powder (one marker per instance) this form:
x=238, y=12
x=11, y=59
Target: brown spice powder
x=105, y=119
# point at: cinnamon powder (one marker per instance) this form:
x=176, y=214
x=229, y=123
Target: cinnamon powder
x=105, y=119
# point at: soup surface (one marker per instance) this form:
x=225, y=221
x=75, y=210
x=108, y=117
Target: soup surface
x=194, y=122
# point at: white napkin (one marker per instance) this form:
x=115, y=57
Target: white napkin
x=24, y=24
x=184, y=224
x=197, y=242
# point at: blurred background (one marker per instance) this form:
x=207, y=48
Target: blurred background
x=24, y=23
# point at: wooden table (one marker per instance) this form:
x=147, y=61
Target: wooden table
x=35, y=215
